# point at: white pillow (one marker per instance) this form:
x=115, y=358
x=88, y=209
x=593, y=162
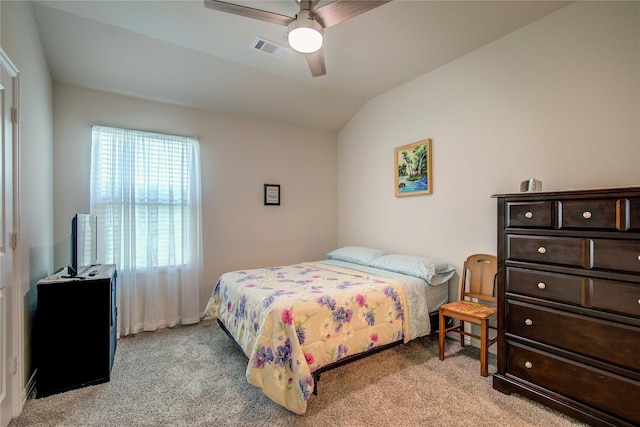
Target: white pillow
x=433, y=271
x=356, y=254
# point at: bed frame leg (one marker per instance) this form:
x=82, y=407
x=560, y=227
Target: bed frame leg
x=316, y=379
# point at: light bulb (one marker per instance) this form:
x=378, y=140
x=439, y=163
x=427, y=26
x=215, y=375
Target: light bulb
x=305, y=40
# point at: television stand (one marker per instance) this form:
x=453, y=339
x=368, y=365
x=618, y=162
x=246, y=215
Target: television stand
x=75, y=330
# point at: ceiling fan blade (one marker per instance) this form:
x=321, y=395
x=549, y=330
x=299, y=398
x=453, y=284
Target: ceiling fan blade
x=249, y=12
x=316, y=63
x=341, y=10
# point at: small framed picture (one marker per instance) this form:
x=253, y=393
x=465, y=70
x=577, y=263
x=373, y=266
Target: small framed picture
x=272, y=194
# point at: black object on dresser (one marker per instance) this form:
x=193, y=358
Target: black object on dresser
x=75, y=330
x=569, y=301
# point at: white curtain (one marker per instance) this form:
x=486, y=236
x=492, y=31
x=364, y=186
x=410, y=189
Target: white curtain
x=145, y=190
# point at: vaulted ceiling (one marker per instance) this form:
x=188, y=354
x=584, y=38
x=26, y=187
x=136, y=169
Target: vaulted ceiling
x=183, y=53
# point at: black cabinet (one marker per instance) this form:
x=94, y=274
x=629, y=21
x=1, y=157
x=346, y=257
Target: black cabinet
x=75, y=336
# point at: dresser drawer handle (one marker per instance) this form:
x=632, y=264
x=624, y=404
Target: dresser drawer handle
x=541, y=285
x=528, y=322
x=586, y=215
x=528, y=365
x=529, y=215
x=542, y=250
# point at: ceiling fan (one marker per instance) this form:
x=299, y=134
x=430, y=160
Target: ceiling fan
x=306, y=28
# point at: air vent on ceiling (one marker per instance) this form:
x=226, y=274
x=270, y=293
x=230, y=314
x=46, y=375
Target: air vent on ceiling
x=268, y=47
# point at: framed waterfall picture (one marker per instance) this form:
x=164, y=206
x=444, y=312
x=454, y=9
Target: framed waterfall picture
x=412, y=164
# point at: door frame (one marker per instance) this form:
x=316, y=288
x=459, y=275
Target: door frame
x=16, y=333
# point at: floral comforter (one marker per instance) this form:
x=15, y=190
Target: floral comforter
x=292, y=320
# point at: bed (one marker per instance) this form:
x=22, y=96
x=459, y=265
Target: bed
x=294, y=322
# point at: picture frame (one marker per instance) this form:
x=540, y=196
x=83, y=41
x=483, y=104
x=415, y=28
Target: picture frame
x=272, y=194
x=412, y=169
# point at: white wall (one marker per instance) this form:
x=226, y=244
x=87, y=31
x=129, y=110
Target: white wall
x=21, y=42
x=238, y=156
x=558, y=100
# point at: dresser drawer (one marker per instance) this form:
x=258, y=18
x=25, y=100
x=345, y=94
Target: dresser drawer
x=607, y=341
x=530, y=214
x=611, y=393
x=616, y=255
x=609, y=295
x=633, y=213
x=552, y=286
x=571, y=251
x=588, y=214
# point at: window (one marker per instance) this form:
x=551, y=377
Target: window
x=144, y=191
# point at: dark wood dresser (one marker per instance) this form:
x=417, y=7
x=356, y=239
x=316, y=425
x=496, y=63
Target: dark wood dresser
x=569, y=301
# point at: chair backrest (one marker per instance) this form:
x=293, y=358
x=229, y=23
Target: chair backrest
x=479, y=278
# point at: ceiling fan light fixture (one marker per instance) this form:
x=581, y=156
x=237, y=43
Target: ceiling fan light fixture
x=305, y=34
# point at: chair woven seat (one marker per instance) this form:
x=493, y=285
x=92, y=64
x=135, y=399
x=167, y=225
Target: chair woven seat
x=471, y=308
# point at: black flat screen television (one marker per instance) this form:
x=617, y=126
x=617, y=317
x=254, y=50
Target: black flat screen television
x=84, y=243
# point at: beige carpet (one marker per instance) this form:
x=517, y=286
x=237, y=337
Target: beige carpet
x=194, y=376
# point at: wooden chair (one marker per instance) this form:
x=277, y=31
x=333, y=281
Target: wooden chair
x=477, y=284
